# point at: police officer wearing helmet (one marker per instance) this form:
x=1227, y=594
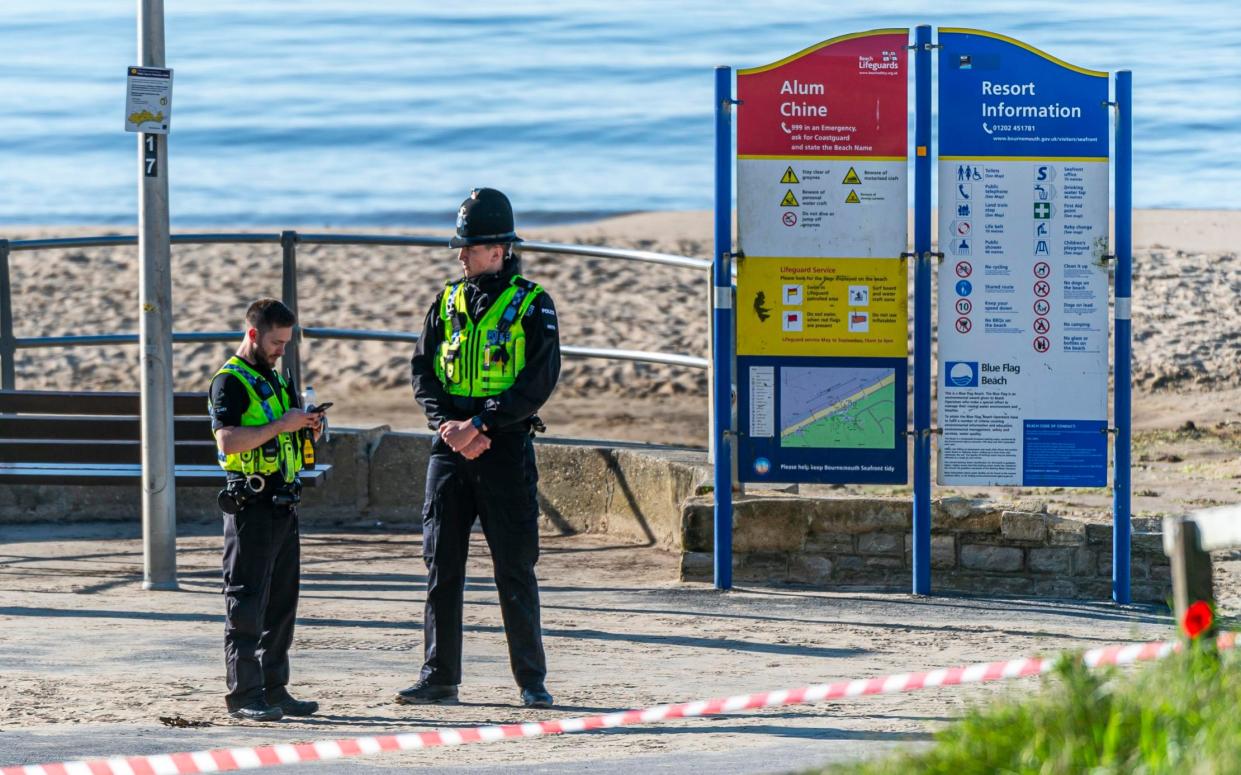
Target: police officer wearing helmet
x=259, y=429
x=488, y=359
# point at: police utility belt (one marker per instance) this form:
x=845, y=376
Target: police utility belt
x=242, y=491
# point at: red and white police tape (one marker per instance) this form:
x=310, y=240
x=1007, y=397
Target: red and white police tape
x=227, y=759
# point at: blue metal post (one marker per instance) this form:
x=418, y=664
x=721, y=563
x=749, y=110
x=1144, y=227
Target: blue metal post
x=922, y=312
x=722, y=344
x=1123, y=410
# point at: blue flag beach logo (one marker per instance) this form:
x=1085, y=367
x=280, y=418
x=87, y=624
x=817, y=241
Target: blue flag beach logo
x=961, y=374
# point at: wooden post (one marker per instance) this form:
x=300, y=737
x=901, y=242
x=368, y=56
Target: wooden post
x=1191, y=568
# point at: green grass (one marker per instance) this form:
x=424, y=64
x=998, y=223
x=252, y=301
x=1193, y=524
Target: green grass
x=1181, y=715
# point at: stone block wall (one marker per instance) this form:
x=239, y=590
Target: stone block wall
x=635, y=493
x=976, y=547
x=646, y=496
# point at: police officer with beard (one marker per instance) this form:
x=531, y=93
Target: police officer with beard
x=488, y=359
x=258, y=427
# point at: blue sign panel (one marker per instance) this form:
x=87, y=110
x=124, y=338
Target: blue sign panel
x=1023, y=287
x=1000, y=97
x=1065, y=453
x=813, y=419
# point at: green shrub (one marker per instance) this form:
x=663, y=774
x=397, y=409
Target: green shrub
x=1180, y=715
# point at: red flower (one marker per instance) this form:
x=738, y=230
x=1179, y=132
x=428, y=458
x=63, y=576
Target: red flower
x=1198, y=619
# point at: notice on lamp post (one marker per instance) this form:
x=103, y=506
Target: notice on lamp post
x=148, y=100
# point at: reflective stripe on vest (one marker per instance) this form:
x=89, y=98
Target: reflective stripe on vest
x=483, y=359
x=281, y=454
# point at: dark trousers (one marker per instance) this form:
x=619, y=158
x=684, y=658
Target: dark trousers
x=261, y=569
x=499, y=488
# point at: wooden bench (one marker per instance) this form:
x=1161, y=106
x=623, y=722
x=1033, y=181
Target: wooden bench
x=94, y=438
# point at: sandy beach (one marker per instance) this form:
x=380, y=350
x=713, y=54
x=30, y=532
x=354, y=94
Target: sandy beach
x=1187, y=326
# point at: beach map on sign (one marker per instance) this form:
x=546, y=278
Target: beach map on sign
x=841, y=407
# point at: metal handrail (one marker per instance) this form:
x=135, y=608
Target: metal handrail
x=9, y=344
x=668, y=259
x=368, y=335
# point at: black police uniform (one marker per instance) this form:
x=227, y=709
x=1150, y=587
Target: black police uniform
x=261, y=569
x=498, y=488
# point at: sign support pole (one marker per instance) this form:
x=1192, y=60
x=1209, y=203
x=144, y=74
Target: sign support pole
x=159, y=504
x=922, y=313
x=1122, y=409
x=722, y=335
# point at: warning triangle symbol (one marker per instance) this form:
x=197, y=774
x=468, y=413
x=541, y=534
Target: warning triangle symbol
x=852, y=198
x=789, y=176
x=851, y=179
x=789, y=199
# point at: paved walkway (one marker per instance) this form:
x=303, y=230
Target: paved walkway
x=90, y=663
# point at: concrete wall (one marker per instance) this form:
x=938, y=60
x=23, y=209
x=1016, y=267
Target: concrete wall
x=380, y=476
x=646, y=495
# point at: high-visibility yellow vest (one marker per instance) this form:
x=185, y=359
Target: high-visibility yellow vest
x=282, y=454
x=481, y=359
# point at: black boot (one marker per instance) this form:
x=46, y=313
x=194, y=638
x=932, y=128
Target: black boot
x=424, y=693
x=258, y=711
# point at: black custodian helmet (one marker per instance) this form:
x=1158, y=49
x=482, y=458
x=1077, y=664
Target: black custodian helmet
x=485, y=218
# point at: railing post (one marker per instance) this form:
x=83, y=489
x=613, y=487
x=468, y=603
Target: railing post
x=8, y=342
x=288, y=293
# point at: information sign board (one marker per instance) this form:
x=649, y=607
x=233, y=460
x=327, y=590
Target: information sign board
x=821, y=288
x=1023, y=285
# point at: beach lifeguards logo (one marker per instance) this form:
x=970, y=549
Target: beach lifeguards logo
x=887, y=63
x=961, y=374
x=762, y=466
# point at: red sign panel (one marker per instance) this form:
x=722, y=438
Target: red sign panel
x=847, y=96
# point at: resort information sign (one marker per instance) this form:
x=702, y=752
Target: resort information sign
x=1023, y=286
x=821, y=288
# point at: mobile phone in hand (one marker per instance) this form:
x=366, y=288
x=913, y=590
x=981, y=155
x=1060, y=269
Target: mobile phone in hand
x=320, y=408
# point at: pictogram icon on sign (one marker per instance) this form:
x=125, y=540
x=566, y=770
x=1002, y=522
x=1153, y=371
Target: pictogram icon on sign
x=964, y=269
x=1041, y=344
x=1041, y=288
x=1041, y=326
x=851, y=178
x=964, y=287
x=789, y=200
x=852, y=198
x=1042, y=269
x=1043, y=211
x=964, y=325
x=1042, y=307
x=789, y=176
x=961, y=228
x=789, y=218
x=964, y=306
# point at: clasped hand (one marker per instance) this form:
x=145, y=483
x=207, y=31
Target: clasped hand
x=464, y=438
